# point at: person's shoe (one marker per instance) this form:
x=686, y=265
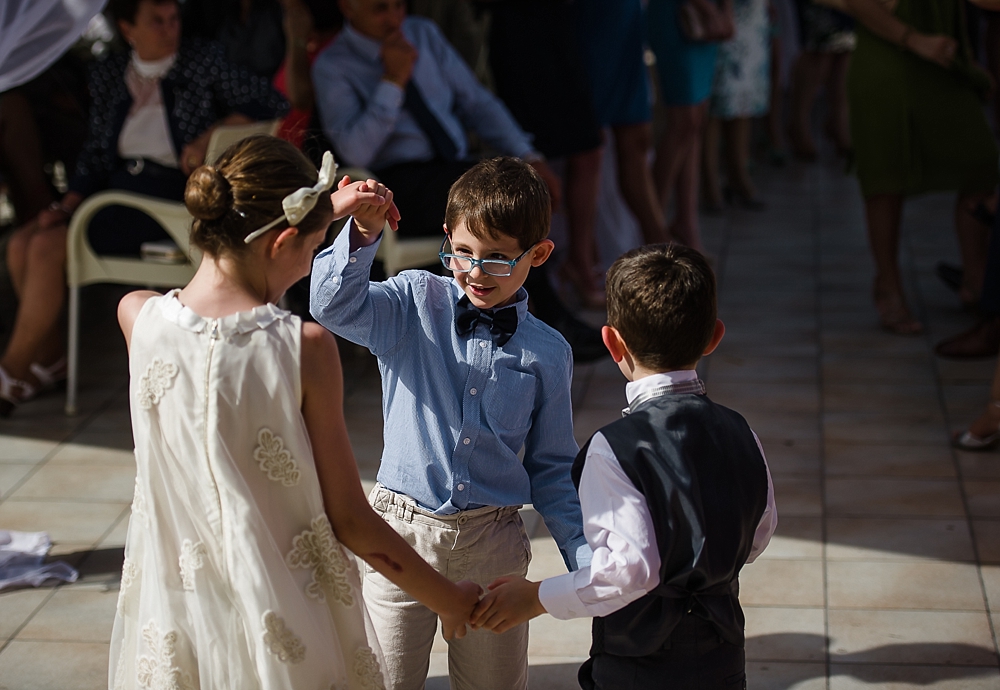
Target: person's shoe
x=586, y=341
x=13, y=392
x=979, y=342
x=949, y=274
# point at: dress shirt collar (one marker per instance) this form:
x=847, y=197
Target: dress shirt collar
x=368, y=48
x=521, y=303
x=633, y=389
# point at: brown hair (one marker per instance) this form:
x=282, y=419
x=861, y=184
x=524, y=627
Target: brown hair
x=126, y=10
x=243, y=191
x=661, y=299
x=501, y=196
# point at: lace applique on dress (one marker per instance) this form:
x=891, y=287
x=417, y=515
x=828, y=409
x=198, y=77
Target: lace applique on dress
x=192, y=558
x=154, y=383
x=139, y=504
x=319, y=550
x=158, y=672
x=274, y=460
x=367, y=669
x=120, y=672
x=129, y=572
x=281, y=641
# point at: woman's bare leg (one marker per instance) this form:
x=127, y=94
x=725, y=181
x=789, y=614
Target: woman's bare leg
x=583, y=181
x=884, y=213
x=808, y=76
x=713, y=187
x=737, y=133
x=21, y=156
x=36, y=333
x=836, y=94
x=685, y=226
x=973, y=244
x=635, y=179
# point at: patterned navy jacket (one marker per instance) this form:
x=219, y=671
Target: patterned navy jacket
x=201, y=88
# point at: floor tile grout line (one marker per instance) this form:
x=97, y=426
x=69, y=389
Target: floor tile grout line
x=27, y=620
x=84, y=423
x=817, y=242
x=959, y=478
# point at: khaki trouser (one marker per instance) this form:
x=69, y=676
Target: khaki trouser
x=479, y=545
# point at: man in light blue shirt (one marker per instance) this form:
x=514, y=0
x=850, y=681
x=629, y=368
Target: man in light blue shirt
x=469, y=378
x=395, y=97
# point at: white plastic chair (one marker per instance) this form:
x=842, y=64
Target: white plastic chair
x=226, y=135
x=84, y=266
x=399, y=253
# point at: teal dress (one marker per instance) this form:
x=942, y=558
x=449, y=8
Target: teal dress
x=685, y=68
x=918, y=127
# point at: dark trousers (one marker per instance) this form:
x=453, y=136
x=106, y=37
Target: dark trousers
x=694, y=658
x=121, y=230
x=989, y=303
x=420, y=191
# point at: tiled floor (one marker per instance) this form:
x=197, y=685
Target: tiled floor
x=885, y=570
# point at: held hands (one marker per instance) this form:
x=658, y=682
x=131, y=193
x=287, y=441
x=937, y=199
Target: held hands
x=370, y=203
x=510, y=602
x=453, y=621
x=398, y=57
x=193, y=153
x=936, y=48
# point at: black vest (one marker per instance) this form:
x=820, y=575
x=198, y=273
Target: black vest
x=704, y=480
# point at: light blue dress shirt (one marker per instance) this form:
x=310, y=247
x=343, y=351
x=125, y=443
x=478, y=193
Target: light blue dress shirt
x=458, y=409
x=364, y=117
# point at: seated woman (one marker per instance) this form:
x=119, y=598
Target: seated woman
x=153, y=110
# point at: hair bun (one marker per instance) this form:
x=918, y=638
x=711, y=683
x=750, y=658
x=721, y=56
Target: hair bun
x=208, y=195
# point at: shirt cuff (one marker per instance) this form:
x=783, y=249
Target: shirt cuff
x=388, y=95
x=559, y=598
x=583, y=554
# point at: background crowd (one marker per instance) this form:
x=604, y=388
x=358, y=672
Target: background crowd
x=685, y=96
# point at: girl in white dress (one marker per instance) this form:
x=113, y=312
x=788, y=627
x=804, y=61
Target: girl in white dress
x=236, y=573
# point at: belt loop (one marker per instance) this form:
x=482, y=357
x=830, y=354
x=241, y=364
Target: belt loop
x=408, y=512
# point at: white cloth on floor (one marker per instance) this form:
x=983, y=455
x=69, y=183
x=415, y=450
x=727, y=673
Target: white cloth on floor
x=22, y=560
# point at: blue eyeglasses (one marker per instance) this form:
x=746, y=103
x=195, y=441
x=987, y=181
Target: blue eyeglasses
x=499, y=268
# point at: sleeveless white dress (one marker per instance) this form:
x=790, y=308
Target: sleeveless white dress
x=233, y=577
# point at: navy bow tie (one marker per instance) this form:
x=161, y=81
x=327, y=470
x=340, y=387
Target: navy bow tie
x=502, y=323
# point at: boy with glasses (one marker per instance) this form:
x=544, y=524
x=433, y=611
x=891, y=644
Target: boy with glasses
x=468, y=379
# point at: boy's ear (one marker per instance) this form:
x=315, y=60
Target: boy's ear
x=720, y=330
x=542, y=252
x=614, y=342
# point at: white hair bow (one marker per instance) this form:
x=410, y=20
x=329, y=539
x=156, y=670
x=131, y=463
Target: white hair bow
x=299, y=203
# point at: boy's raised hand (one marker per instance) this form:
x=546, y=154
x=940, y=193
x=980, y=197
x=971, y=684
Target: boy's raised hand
x=369, y=202
x=510, y=602
x=453, y=622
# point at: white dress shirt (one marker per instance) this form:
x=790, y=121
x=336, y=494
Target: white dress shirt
x=619, y=529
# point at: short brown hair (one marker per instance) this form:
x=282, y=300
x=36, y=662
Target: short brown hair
x=661, y=299
x=501, y=196
x=243, y=191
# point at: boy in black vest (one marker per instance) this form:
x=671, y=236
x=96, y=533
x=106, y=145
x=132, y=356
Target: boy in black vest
x=676, y=497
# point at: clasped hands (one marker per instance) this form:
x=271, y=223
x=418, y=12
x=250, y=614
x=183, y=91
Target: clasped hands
x=369, y=203
x=509, y=602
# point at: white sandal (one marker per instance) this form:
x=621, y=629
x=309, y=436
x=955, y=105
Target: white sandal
x=9, y=397
x=49, y=377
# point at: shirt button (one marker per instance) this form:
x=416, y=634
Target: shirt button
x=335, y=280
x=461, y=487
x=473, y=391
x=482, y=343
x=466, y=441
x=353, y=260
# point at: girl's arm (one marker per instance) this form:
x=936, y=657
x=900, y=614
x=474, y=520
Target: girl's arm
x=877, y=19
x=128, y=311
x=356, y=525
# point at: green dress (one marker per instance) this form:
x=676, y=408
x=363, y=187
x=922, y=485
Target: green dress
x=918, y=127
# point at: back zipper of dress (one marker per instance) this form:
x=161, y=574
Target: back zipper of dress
x=213, y=338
